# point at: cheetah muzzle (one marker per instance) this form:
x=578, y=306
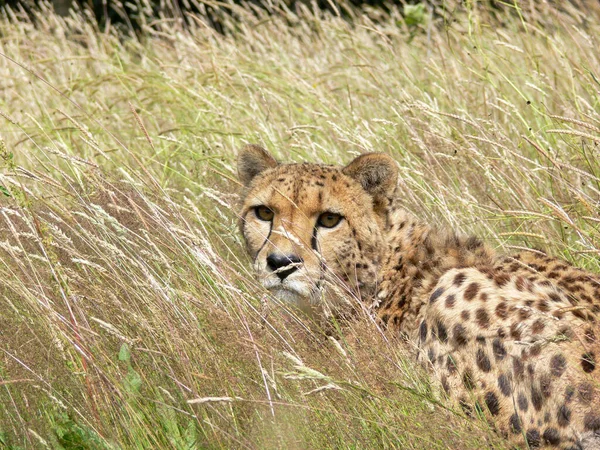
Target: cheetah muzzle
x=515, y=338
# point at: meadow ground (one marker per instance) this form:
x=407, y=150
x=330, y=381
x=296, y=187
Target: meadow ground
x=129, y=317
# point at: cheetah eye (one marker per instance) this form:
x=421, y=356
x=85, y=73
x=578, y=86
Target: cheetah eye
x=329, y=219
x=264, y=213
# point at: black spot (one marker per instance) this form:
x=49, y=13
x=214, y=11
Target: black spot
x=533, y=438
x=518, y=368
x=588, y=362
x=569, y=393
x=578, y=313
x=459, y=279
x=498, y=349
x=504, y=385
x=524, y=313
x=546, y=385
x=442, y=332
x=483, y=362
x=459, y=335
x=563, y=416
x=468, y=380
x=401, y=301
x=514, y=424
x=538, y=326
x=482, y=318
x=436, y=294
x=585, y=392
x=536, y=398
x=591, y=421
x=551, y=436
x=471, y=291
x=558, y=365
x=423, y=331
x=466, y=407
x=502, y=310
x=554, y=297
x=543, y=306
x=589, y=335
x=566, y=333
x=515, y=331
x=450, y=300
x=522, y=402
x=501, y=279
x=491, y=401
x=473, y=243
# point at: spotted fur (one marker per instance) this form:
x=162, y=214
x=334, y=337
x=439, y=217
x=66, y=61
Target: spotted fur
x=512, y=338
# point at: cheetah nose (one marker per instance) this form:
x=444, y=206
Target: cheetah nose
x=283, y=265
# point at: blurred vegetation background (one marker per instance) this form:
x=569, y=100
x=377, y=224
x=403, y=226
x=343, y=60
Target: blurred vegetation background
x=132, y=15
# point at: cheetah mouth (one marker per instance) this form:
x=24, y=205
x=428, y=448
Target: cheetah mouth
x=288, y=287
x=295, y=297
x=295, y=291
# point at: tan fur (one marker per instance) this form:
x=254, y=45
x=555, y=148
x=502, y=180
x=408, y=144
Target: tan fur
x=513, y=338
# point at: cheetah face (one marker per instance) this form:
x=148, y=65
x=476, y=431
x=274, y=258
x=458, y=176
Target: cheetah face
x=315, y=232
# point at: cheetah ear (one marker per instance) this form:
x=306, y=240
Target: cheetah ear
x=377, y=173
x=252, y=160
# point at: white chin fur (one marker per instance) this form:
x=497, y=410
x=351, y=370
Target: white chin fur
x=294, y=298
x=298, y=286
x=304, y=295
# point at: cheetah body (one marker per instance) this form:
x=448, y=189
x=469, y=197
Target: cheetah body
x=513, y=338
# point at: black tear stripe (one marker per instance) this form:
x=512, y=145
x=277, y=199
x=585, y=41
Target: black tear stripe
x=315, y=246
x=265, y=241
x=313, y=240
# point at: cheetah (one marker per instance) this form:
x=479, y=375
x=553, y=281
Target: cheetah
x=514, y=339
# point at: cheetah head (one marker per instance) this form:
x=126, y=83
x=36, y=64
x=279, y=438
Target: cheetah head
x=315, y=232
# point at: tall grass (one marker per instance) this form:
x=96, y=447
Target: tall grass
x=129, y=317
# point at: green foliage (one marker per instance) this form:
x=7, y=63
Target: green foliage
x=70, y=435
x=5, y=444
x=414, y=14
x=132, y=381
x=125, y=353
